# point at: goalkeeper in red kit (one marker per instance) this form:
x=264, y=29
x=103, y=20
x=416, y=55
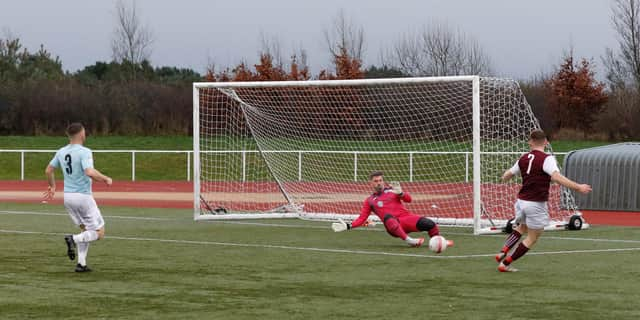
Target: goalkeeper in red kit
x=386, y=203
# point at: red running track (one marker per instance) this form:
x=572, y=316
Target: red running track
x=160, y=188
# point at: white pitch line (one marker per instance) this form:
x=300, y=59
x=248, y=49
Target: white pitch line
x=363, y=252
x=38, y=213
x=8, y=212
x=590, y=239
x=280, y=225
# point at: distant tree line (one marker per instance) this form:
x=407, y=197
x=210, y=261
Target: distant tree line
x=38, y=97
x=129, y=96
x=571, y=104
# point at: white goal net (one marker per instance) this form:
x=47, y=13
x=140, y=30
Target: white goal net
x=306, y=148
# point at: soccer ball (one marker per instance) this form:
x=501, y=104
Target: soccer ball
x=437, y=244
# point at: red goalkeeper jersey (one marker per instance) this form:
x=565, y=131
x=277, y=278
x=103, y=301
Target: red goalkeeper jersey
x=383, y=203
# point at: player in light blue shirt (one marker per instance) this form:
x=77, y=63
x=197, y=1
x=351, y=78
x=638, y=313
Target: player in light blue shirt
x=75, y=159
x=76, y=163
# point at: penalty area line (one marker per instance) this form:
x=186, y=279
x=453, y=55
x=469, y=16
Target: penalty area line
x=327, y=250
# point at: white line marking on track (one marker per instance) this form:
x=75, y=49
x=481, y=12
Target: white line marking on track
x=363, y=252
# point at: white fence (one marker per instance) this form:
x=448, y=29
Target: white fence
x=133, y=153
x=300, y=153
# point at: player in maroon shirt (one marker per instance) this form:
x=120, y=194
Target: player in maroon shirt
x=386, y=203
x=538, y=169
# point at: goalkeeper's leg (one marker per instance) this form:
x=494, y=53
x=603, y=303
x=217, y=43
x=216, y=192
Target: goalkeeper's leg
x=428, y=225
x=413, y=223
x=416, y=223
x=394, y=228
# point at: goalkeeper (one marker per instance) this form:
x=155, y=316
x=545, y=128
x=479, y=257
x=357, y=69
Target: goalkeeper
x=386, y=203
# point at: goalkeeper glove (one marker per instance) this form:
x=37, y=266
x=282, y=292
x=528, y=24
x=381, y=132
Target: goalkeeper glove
x=396, y=188
x=340, y=226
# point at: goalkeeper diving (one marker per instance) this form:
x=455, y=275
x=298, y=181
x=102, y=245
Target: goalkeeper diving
x=386, y=203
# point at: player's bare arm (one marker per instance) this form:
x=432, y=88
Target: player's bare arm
x=559, y=178
x=51, y=179
x=507, y=175
x=98, y=176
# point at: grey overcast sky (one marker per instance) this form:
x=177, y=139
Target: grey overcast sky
x=523, y=38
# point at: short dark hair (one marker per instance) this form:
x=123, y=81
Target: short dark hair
x=74, y=129
x=537, y=135
x=375, y=174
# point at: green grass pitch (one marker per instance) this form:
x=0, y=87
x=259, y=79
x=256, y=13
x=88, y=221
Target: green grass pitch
x=160, y=264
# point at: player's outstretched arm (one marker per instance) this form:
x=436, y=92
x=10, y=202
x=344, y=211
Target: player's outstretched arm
x=559, y=178
x=98, y=176
x=360, y=221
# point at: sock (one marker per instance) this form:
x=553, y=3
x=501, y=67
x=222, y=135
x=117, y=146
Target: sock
x=512, y=239
x=85, y=236
x=83, y=249
x=434, y=231
x=395, y=229
x=520, y=251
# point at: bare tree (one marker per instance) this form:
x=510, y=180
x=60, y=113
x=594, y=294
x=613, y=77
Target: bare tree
x=438, y=50
x=131, y=40
x=345, y=34
x=300, y=58
x=478, y=61
x=621, y=118
x=272, y=47
x=623, y=66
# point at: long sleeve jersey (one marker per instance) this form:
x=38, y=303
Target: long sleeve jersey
x=383, y=203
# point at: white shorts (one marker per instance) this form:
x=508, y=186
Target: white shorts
x=83, y=210
x=534, y=214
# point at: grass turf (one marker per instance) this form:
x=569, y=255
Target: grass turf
x=160, y=264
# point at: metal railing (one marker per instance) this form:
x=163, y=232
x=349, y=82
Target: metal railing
x=133, y=153
x=300, y=153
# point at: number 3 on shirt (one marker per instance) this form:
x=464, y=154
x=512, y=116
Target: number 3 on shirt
x=67, y=158
x=531, y=156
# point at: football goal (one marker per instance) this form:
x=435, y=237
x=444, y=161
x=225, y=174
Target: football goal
x=304, y=149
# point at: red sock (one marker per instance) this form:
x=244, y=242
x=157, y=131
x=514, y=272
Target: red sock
x=520, y=251
x=434, y=231
x=394, y=228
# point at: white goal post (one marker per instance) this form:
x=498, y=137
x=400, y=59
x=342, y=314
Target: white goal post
x=304, y=149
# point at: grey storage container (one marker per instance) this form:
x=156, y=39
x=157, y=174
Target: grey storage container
x=613, y=172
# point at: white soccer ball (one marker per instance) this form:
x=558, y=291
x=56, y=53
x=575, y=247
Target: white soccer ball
x=437, y=244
